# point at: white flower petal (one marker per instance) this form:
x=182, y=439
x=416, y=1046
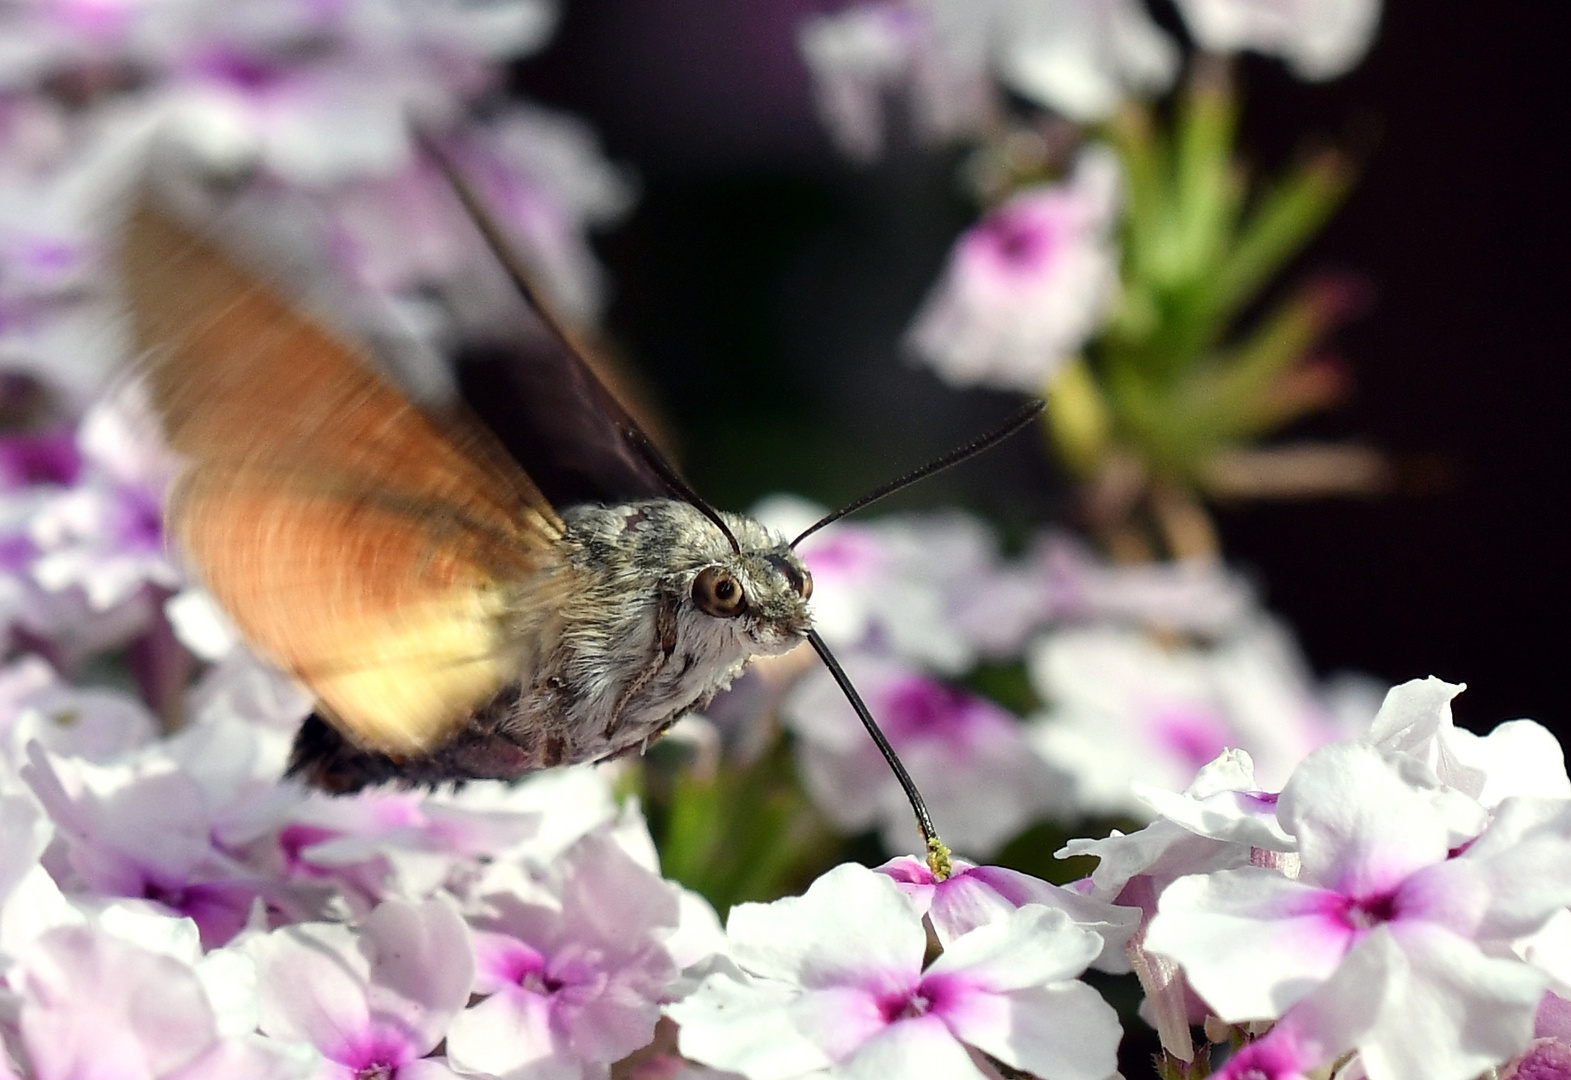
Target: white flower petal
x=1251, y=942
x=849, y=923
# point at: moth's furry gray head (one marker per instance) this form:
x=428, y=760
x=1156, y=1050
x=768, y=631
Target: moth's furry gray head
x=670, y=542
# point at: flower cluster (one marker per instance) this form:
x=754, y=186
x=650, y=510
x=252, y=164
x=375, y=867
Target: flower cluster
x=1079, y=58
x=169, y=901
x=838, y=982
x=302, y=98
x=1137, y=674
x=1402, y=898
x=1119, y=241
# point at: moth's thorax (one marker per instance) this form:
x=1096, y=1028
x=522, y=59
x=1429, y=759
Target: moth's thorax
x=634, y=649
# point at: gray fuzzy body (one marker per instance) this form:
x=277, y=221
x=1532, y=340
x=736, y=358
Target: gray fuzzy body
x=633, y=651
x=612, y=648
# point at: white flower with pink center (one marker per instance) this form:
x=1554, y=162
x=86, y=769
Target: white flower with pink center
x=1319, y=39
x=1176, y=707
x=833, y=983
x=969, y=756
x=1026, y=286
x=571, y=981
x=91, y=1004
x=374, y=1000
x=1393, y=939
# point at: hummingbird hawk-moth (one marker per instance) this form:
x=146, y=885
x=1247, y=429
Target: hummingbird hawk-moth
x=459, y=609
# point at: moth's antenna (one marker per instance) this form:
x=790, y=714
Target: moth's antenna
x=937, y=853
x=492, y=233
x=678, y=486
x=1017, y=420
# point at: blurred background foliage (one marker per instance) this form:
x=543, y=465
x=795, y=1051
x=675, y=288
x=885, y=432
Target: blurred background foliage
x=762, y=285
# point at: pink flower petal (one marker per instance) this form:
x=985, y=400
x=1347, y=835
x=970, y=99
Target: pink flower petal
x=1251, y=941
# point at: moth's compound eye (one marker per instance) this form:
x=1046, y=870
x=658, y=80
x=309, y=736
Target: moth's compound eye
x=800, y=580
x=717, y=592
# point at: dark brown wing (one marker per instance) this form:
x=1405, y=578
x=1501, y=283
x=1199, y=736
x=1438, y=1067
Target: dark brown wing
x=543, y=400
x=372, y=554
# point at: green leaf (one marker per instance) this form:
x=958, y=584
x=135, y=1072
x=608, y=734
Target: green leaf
x=1283, y=220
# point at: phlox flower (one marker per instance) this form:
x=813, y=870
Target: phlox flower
x=104, y=536
x=94, y=724
x=1080, y=58
x=858, y=55
x=1518, y=757
x=1027, y=285
x=374, y=1000
x=91, y=1003
x=1548, y=1057
x=832, y=983
x=1194, y=596
x=1319, y=39
x=58, y=322
x=973, y=896
x=1388, y=941
x=572, y=977
x=142, y=829
x=1221, y=821
x=1124, y=708
x=542, y=174
x=968, y=755
x=381, y=844
x=339, y=115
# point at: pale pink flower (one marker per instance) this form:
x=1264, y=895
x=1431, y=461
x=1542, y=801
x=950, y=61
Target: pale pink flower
x=374, y=1000
x=1122, y=708
x=1080, y=58
x=143, y=831
x=859, y=55
x=1026, y=286
x=969, y=757
x=834, y=980
x=1519, y=757
x=572, y=980
x=1319, y=39
x=1133, y=869
x=97, y=725
x=105, y=535
x=94, y=1004
x=1389, y=938
x=541, y=173
x=898, y=585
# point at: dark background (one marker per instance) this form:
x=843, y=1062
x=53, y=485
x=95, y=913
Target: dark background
x=763, y=282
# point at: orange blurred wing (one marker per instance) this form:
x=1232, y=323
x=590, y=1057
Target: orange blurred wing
x=383, y=561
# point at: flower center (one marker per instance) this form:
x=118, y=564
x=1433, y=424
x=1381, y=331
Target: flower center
x=538, y=982
x=905, y=1006
x=378, y=1070
x=1371, y=911
x=1017, y=239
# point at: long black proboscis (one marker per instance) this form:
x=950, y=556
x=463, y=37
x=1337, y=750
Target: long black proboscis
x=1017, y=420
x=937, y=853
